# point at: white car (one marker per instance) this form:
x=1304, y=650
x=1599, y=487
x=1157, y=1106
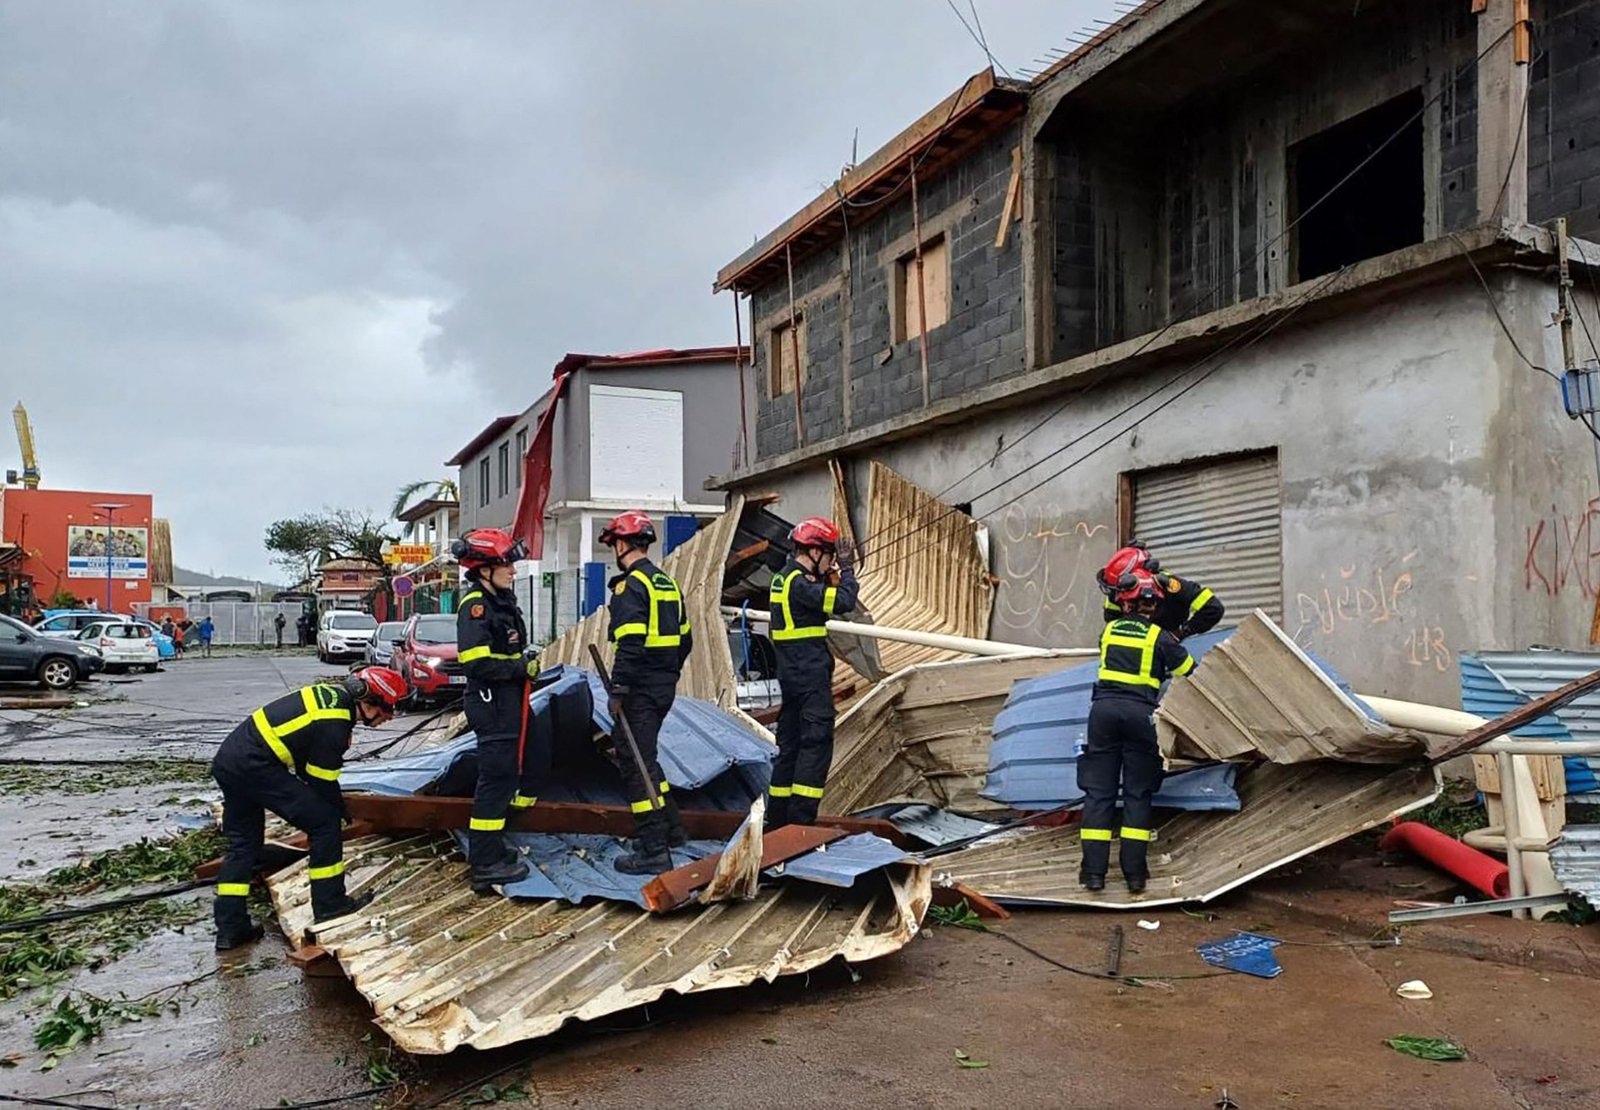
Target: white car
x=344, y=634
x=123, y=644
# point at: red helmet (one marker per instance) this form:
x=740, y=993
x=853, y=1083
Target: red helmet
x=632, y=525
x=815, y=531
x=1135, y=557
x=487, y=547
x=1138, y=586
x=380, y=686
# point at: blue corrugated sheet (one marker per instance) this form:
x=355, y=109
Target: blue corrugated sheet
x=842, y=862
x=576, y=867
x=1038, y=734
x=1488, y=693
x=929, y=824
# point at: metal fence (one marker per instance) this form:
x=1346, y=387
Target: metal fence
x=237, y=622
x=555, y=595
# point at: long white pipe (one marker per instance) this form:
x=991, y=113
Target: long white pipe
x=924, y=639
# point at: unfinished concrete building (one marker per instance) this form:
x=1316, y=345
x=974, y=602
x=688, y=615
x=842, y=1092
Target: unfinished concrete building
x=1269, y=286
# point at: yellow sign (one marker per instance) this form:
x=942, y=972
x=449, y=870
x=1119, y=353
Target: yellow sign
x=408, y=553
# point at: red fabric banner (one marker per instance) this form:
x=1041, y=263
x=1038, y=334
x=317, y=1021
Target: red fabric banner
x=529, y=525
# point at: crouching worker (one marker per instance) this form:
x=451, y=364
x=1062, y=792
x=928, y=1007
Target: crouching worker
x=285, y=757
x=1136, y=657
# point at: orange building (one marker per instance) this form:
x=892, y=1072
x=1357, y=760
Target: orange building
x=65, y=542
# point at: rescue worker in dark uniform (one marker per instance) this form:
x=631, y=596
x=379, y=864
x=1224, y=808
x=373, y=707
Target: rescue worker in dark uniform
x=1187, y=608
x=1136, y=657
x=492, y=647
x=650, y=628
x=285, y=757
x=815, y=585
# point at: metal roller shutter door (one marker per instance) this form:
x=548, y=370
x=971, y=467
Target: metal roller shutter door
x=1220, y=523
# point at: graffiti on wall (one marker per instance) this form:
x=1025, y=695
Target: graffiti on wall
x=1562, y=552
x=1046, y=565
x=1363, y=604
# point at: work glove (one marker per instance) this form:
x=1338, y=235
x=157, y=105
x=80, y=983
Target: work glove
x=614, y=703
x=844, y=555
x=530, y=661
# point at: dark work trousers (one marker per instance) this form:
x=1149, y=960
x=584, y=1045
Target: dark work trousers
x=505, y=773
x=252, y=783
x=1121, y=748
x=805, y=750
x=645, y=707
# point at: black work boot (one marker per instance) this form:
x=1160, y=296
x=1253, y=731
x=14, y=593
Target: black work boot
x=509, y=868
x=649, y=855
x=338, y=905
x=1137, y=883
x=777, y=813
x=1091, y=882
x=239, y=936
x=676, y=837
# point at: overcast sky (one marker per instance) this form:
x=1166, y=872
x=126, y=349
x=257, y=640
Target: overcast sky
x=305, y=250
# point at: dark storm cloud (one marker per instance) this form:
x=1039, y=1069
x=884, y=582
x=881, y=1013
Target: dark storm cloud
x=306, y=250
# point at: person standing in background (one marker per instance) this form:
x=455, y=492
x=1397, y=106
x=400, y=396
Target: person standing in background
x=277, y=627
x=207, y=631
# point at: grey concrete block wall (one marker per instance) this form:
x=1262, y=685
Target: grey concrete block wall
x=856, y=374
x=1564, y=115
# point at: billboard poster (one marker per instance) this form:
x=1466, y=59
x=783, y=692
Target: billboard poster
x=87, y=546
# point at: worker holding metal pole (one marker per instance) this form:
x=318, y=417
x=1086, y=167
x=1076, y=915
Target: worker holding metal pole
x=650, y=628
x=1136, y=656
x=816, y=583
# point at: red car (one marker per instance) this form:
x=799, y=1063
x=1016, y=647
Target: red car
x=425, y=654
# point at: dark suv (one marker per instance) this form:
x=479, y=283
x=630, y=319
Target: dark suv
x=26, y=656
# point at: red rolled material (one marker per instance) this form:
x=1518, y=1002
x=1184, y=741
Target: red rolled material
x=1480, y=871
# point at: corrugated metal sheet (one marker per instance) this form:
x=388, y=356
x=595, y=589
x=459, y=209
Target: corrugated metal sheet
x=1287, y=812
x=1538, y=672
x=1257, y=695
x=697, y=567
x=1219, y=523
x=921, y=567
x=929, y=824
x=844, y=861
x=443, y=967
x=923, y=734
x=1576, y=860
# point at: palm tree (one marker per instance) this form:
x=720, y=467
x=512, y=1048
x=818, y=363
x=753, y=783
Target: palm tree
x=442, y=488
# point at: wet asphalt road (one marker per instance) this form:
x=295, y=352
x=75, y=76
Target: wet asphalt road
x=260, y=1032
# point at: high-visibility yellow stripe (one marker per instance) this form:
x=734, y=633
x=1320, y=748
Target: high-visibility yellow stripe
x=1199, y=601
x=233, y=890
x=780, y=791
x=1145, y=644
x=807, y=791
x=482, y=651
x=642, y=807
x=783, y=626
x=332, y=871
x=486, y=824
x=324, y=773
x=1094, y=834
x=259, y=718
x=471, y=595
x=636, y=628
x=1129, y=833
x=664, y=787
x=1185, y=667
x=661, y=591
x=830, y=597
x=523, y=801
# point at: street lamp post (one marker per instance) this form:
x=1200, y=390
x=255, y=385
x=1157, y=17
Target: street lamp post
x=108, y=510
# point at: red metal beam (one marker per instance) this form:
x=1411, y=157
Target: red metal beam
x=672, y=889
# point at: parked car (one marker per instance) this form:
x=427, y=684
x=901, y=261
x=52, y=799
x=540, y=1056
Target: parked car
x=67, y=623
x=163, y=642
x=27, y=656
x=344, y=634
x=426, y=655
x=122, y=644
x=380, y=653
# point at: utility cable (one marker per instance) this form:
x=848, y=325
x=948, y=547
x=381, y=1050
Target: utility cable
x=21, y=923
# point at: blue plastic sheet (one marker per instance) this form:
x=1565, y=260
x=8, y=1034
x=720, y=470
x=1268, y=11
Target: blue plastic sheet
x=1250, y=953
x=1488, y=695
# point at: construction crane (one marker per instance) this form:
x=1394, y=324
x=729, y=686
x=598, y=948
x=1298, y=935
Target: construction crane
x=30, y=461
